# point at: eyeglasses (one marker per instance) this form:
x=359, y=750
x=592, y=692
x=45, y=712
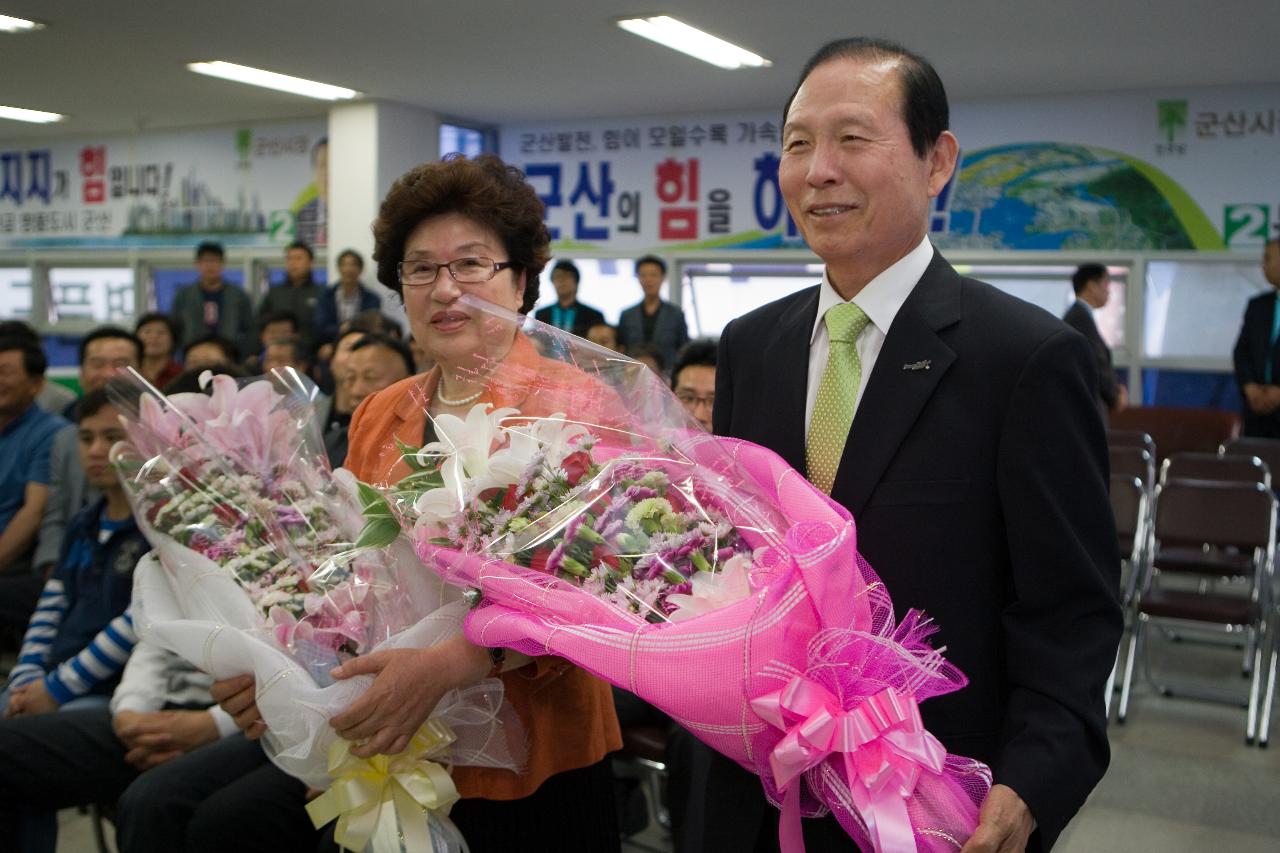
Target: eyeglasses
x=463, y=270
x=692, y=401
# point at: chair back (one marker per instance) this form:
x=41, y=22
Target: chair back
x=1198, y=513
x=1211, y=466
x=1179, y=429
x=1131, y=438
x=1133, y=461
x=1129, y=506
x=1266, y=449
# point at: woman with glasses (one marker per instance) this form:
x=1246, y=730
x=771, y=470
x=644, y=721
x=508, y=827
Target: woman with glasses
x=447, y=229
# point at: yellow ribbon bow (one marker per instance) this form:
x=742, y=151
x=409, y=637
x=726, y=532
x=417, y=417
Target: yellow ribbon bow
x=365, y=791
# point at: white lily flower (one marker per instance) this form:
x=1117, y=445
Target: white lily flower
x=713, y=590
x=557, y=437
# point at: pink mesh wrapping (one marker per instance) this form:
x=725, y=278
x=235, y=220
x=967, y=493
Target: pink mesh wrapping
x=819, y=612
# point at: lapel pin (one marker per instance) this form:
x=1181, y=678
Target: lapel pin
x=917, y=365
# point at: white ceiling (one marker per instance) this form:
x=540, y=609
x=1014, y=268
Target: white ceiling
x=120, y=66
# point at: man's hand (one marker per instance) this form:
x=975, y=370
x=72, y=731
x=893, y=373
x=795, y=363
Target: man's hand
x=407, y=686
x=1004, y=824
x=155, y=737
x=1252, y=396
x=1270, y=398
x=31, y=699
x=1122, y=398
x=239, y=697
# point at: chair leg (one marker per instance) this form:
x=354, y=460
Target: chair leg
x=1273, y=642
x=1134, y=638
x=1110, y=686
x=1255, y=687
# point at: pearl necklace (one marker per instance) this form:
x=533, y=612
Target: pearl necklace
x=446, y=401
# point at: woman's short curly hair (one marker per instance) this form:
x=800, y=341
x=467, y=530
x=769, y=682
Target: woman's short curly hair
x=485, y=189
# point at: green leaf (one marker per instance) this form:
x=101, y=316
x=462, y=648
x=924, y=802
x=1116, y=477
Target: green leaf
x=410, y=455
x=378, y=533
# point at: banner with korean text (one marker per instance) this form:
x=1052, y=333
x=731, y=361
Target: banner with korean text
x=257, y=184
x=1191, y=169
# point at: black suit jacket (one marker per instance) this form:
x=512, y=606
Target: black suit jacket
x=979, y=489
x=584, y=317
x=1079, y=318
x=1252, y=353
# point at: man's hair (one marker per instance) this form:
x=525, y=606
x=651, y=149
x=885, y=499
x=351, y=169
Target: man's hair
x=299, y=244
x=282, y=315
x=209, y=247
x=103, y=333
x=1086, y=273
x=33, y=358
x=188, y=381
x=229, y=349
x=650, y=350
x=351, y=253
x=116, y=393
x=651, y=259
x=370, y=320
x=487, y=191
x=174, y=324
x=924, y=99
x=18, y=329
x=398, y=347
x=697, y=353
x=570, y=267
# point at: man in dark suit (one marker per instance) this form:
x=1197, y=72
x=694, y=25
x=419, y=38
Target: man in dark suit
x=1257, y=358
x=568, y=313
x=654, y=321
x=1092, y=284
x=957, y=425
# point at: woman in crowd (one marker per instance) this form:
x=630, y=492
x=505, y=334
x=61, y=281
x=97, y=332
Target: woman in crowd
x=445, y=229
x=159, y=334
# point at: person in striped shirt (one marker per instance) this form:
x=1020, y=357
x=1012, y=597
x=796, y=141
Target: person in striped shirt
x=81, y=633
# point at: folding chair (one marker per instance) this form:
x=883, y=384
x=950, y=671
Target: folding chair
x=1233, y=527
x=1131, y=438
x=1129, y=506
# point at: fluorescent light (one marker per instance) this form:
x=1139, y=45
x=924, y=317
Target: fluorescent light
x=272, y=80
x=10, y=24
x=37, y=116
x=678, y=35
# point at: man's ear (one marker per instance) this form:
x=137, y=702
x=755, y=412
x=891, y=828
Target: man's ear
x=942, y=161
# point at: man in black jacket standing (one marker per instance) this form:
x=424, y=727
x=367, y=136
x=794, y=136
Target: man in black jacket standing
x=957, y=425
x=1257, y=359
x=1092, y=284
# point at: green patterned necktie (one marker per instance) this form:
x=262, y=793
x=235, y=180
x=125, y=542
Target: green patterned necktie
x=833, y=408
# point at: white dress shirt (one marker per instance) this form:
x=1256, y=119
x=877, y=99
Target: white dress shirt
x=880, y=300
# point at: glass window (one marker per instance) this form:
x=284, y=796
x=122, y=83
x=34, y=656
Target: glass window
x=92, y=294
x=469, y=141
x=165, y=283
x=1194, y=308
x=15, y=293
x=716, y=293
x=1049, y=286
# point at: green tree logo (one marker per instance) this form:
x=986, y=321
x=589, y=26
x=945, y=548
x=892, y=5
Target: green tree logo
x=1171, y=118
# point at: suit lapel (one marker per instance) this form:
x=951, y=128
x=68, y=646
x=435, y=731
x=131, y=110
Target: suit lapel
x=895, y=395
x=788, y=360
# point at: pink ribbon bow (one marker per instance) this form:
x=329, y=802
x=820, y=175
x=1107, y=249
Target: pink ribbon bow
x=883, y=744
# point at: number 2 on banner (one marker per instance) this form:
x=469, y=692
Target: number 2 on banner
x=1246, y=224
x=282, y=225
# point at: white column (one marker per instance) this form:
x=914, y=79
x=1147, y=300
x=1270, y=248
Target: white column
x=371, y=144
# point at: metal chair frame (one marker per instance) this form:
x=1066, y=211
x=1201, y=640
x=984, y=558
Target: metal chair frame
x=1261, y=640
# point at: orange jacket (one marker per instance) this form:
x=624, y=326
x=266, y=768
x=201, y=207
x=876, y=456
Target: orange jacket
x=568, y=715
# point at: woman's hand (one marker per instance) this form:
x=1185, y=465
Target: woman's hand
x=407, y=686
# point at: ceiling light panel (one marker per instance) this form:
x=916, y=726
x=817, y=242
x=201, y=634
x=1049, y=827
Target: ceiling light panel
x=37, y=116
x=10, y=24
x=678, y=35
x=272, y=80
